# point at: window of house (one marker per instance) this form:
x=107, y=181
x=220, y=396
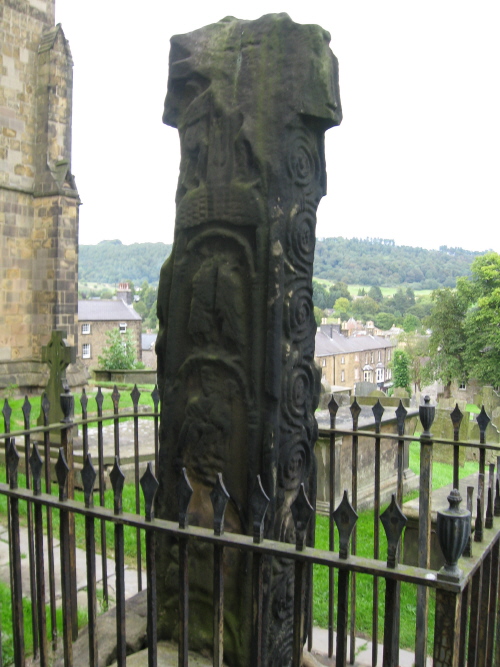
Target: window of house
x=342, y=360
x=380, y=355
x=356, y=373
x=356, y=357
x=323, y=363
x=342, y=376
x=462, y=386
x=388, y=355
x=86, y=351
x=380, y=375
x=367, y=376
x=86, y=328
x=388, y=373
x=123, y=327
x=371, y=357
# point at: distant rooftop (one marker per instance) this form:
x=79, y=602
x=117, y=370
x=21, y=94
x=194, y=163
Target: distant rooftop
x=98, y=310
x=338, y=344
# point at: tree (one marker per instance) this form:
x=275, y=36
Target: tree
x=417, y=348
x=384, y=320
x=365, y=308
x=342, y=305
x=401, y=369
x=375, y=293
x=411, y=323
x=318, y=315
x=465, y=323
x=320, y=295
x=339, y=290
x=447, y=344
x=119, y=353
x=482, y=325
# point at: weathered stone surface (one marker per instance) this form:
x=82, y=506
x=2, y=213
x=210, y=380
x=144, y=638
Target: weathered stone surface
x=238, y=384
x=136, y=614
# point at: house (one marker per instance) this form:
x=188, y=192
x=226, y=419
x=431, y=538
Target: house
x=346, y=361
x=148, y=350
x=96, y=317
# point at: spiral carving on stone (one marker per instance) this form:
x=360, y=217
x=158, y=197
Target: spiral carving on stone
x=303, y=160
x=301, y=315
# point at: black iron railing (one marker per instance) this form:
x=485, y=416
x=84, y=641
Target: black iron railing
x=465, y=628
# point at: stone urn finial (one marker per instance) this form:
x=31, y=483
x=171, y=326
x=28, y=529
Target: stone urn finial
x=453, y=531
x=427, y=413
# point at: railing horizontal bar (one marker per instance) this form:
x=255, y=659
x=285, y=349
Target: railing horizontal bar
x=58, y=426
x=407, y=573
x=325, y=433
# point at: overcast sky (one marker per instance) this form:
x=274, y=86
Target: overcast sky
x=416, y=158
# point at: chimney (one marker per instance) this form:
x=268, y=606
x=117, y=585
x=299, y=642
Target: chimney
x=124, y=293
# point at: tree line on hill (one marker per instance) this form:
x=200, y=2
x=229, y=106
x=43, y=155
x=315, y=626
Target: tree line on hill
x=113, y=262
x=380, y=262
x=377, y=262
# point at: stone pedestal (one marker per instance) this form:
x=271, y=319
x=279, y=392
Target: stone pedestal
x=251, y=101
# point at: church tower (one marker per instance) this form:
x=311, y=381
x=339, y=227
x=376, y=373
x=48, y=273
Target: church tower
x=38, y=196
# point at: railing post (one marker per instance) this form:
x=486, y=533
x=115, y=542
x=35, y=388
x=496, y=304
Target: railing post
x=185, y=491
x=67, y=405
x=117, y=481
x=446, y=637
x=259, y=502
x=12, y=461
x=63, y=473
x=345, y=518
x=332, y=408
x=453, y=530
x=426, y=413
x=150, y=485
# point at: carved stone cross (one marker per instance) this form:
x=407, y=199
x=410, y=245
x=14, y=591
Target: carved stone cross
x=238, y=384
x=58, y=355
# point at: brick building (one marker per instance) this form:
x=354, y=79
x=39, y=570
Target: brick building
x=96, y=318
x=38, y=196
x=346, y=361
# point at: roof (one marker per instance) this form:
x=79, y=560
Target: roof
x=148, y=340
x=106, y=310
x=327, y=346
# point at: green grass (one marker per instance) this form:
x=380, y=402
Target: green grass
x=364, y=586
x=442, y=473
x=7, y=644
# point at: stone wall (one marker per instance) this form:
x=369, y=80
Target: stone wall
x=38, y=197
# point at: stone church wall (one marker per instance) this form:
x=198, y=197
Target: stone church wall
x=38, y=196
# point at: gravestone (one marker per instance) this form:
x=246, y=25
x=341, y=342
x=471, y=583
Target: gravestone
x=58, y=355
x=238, y=384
